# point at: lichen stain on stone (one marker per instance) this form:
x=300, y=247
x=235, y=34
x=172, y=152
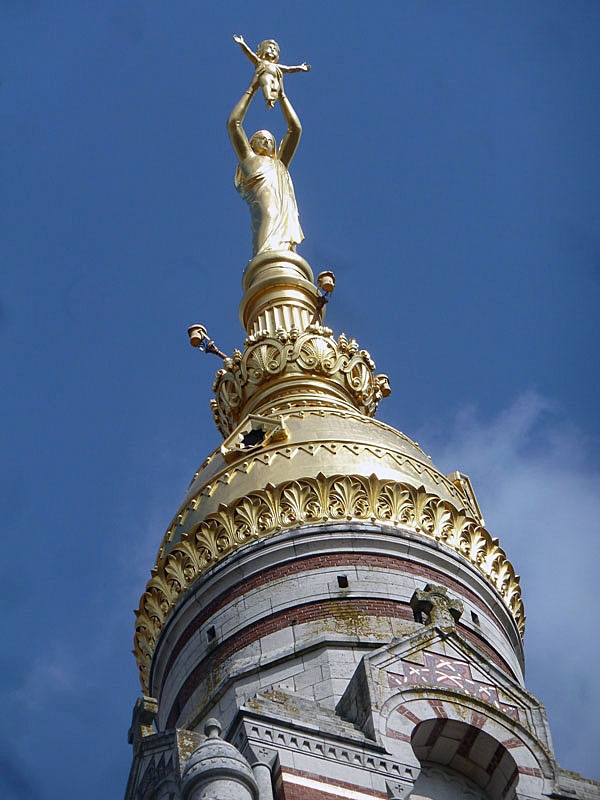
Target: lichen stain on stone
x=464, y=712
x=280, y=697
x=187, y=742
x=401, y=627
x=209, y=686
x=346, y=619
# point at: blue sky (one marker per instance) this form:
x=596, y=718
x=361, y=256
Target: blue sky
x=449, y=173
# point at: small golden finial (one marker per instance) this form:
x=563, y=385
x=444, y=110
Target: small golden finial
x=326, y=283
x=199, y=338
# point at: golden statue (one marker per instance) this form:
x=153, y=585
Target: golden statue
x=268, y=69
x=262, y=176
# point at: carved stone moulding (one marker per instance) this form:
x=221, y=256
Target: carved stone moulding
x=310, y=501
x=295, y=365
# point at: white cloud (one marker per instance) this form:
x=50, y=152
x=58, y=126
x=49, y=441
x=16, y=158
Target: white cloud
x=538, y=490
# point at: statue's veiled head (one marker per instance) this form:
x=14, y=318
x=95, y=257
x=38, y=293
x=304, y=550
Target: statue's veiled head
x=263, y=143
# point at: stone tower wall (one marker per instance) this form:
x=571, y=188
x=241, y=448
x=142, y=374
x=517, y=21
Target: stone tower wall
x=275, y=614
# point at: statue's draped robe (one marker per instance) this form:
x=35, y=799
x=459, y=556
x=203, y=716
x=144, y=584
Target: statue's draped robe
x=266, y=186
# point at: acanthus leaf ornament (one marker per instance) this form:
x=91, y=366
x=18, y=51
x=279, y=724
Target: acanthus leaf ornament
x=308, y=501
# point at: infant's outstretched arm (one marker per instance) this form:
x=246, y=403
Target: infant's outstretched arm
x=245, y=49
x=300, y=68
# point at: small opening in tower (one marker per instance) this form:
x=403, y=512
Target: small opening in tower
x=475, y=618
x=342, y=581
x=211, y=633
x=253, y=437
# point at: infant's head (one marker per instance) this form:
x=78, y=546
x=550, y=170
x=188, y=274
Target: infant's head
x=269, y=50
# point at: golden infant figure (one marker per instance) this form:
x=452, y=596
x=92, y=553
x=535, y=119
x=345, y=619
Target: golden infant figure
x=268, y=69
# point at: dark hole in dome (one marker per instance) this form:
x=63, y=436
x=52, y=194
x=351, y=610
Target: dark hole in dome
x=254, y=437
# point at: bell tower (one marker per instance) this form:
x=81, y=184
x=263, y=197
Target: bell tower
x=328, y=615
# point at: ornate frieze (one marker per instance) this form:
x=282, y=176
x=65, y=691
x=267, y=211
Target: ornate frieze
x=452, y=673
x=356, y=753
x=311, y=501
x=419, y=469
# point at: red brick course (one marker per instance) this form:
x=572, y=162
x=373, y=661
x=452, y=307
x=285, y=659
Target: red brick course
x=293, y=791
x=308, y=563
x=348, y=611
x=531, y=771
x=438, y=707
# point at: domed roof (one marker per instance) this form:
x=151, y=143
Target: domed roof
x=304, y=441
x=217, y=759
x=302, y=448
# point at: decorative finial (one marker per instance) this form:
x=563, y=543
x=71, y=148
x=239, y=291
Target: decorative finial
x=212, y=728
x=199, y=339
x=383, y=384
x=439, y=608
x=326, y=283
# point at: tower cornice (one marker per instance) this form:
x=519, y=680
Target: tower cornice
x=311, y=500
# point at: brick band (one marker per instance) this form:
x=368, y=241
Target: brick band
x=308, y=563
x=343, y=609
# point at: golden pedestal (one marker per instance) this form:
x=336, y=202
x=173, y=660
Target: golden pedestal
x=279, y=293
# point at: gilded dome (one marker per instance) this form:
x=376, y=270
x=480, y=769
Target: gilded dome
x=301, y=447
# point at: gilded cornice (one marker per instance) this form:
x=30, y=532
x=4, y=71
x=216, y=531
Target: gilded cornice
x=293, y=365
x=310, y=501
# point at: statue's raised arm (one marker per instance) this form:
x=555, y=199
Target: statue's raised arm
x=291, y=140
x=235, y=126
x=262, y=176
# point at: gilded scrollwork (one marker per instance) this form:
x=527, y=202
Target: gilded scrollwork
x=309, y=501
x=312, y=352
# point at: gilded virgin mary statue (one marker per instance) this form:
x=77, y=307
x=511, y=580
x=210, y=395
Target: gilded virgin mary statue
x=262, y=176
